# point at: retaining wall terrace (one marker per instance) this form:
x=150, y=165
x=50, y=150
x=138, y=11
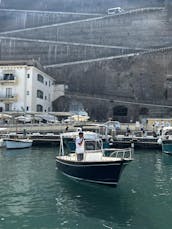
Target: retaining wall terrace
x=48, y=53
x=136, y=30
x=20, y=20
x=78, y=5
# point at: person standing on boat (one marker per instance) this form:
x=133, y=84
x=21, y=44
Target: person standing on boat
x=80, y=146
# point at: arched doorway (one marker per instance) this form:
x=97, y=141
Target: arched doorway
x=120, y=113
x=143, y=111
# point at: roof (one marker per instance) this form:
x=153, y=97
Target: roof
x=87, y=135
x=166, y=128
x=29, y=62
x=38, y=113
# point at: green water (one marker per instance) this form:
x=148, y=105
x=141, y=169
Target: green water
x=34, y=195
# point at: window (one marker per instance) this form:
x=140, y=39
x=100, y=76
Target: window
x=45, y=97
x=27, y=93
x=45, y=82
x=39, y=108
x=28, y=76
x=40, y=78
x=8, y=76
x=27, y=108
x=40, y=94
x=8, y=92
x=8, y=107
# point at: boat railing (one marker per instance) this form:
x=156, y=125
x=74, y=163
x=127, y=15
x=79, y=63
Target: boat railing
x=120, y=153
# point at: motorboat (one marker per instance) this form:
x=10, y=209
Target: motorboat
x=146, y=140
x=99, y=165
x=165, y=139
x=18, y=143
x=2, y=142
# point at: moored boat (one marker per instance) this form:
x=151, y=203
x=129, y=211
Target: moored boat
x=148, y=140
x=166, y=140
x=18, y=143
x=96, y=166
x=167, y=146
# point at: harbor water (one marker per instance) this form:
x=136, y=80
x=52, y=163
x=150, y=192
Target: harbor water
x=34, y=195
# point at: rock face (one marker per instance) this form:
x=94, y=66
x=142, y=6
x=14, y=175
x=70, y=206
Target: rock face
x=116, y=66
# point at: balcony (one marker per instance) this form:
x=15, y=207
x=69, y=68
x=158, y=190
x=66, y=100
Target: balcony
x=8, y=99
x=7, y=79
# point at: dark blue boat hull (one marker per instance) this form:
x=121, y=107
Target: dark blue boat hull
x=98, y=172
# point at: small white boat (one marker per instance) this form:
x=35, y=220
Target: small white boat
x=18, y=143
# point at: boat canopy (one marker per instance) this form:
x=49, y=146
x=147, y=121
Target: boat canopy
x=87, y=135
x=167, y=130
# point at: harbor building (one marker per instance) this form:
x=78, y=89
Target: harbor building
x=24, y=86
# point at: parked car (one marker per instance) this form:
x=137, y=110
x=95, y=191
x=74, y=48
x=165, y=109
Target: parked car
x=116, y=10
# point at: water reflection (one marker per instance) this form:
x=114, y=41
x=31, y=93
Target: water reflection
x=167, y=159
x=17, y=182
x=27, y=176
x=108, y=205
x=34, y=195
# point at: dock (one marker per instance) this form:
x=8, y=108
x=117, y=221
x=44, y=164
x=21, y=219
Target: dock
x=49, y=134
x=137, y=144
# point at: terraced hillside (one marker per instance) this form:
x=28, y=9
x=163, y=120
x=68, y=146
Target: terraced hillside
x=110, y=63
x=20, y=19
x=79, y=5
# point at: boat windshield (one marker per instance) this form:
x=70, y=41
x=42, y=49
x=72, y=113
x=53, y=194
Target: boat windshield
x=93, y=145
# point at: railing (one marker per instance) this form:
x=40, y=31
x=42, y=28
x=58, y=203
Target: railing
x=8, y=98
x=6, y=80
x=126, y=154
x=120, y=153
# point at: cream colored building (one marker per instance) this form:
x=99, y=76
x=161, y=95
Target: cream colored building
x=24, y=86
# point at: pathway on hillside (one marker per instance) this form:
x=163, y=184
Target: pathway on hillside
x=108, y=58
x=90, y=60
x=68, y=43
x=85, y=20
x=48, y=12
x=81, y=96
x=52, y=25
